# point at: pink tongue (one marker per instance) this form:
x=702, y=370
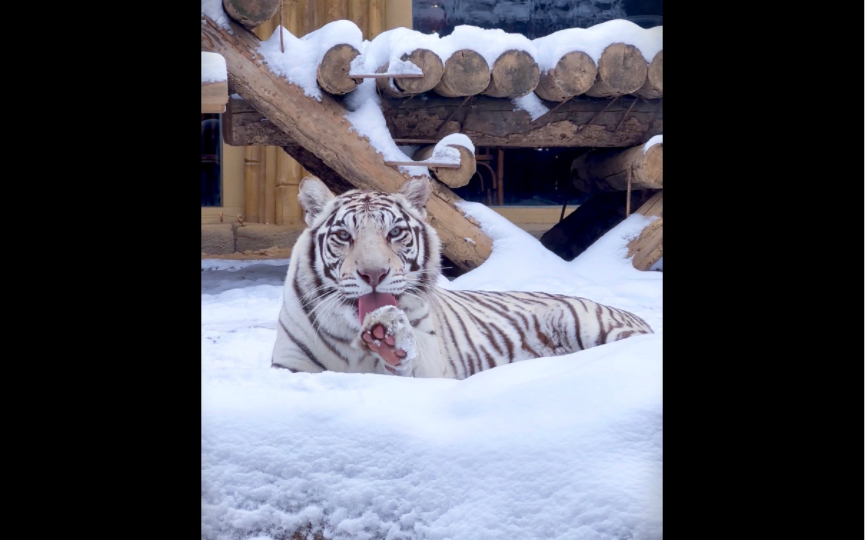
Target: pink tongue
x=373, y=301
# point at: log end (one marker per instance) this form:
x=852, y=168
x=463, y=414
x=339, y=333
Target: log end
x=332, y=73
x=621, y=70
x=514, y=74
x=648, y=248
x=251, y=13
x=432, y=67
x=653, y=88
x=451, y=177
x=466, y=73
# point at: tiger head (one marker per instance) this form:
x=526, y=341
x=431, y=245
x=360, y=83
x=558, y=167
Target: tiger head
x=372, y=246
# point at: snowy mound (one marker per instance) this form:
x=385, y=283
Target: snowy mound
x=551, y=448
x=212, y=68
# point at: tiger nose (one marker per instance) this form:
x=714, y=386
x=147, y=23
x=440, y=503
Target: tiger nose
x=374, y=276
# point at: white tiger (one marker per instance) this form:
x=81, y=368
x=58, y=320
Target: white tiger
x=361, y=296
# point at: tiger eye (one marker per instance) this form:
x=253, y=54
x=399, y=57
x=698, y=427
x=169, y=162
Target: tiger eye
x=396, y=231
x=343, y=235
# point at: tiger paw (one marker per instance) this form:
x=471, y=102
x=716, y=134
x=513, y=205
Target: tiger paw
x=388, y=333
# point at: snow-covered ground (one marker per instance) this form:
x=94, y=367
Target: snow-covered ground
x=553, y=448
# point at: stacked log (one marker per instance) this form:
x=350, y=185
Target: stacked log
x=653, y=88
x=428, y=61
x=608, y=170
x=451, y=177
x=573, y=75
x=648, y=248
x=466, y=73
x=514, y=74
x=621, y=70
x=332, y=71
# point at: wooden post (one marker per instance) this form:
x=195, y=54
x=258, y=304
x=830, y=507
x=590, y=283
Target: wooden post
x=451, y=177
x=465, y=73
x=654, y=86
x=500, y=173
x=251, y=13
x=253, y=176
x=574, y=73
x=514, y=74
x=288, y=177
x=376, y=18
x=270, y=185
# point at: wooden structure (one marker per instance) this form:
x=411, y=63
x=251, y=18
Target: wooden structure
x=613, y=107
x=321, y=129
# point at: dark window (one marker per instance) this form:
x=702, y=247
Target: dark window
x=211, y=160
x=532, y=18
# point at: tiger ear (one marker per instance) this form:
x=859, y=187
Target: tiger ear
x=417, y=190
x=313, y=196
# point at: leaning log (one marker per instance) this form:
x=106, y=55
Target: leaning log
x=332, y=71
x=251, y=13
x=582, y=122
x=451, y=177
x=572, y=75
x=514, y=74
x=466, y=73
x=590, y=221
x=653, y=88
x=648, y=248
x=321, y=129
x=621, y=70
x=608, y=170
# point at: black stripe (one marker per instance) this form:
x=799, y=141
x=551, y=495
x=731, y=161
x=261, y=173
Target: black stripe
x=302, y=347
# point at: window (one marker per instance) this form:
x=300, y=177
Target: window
x=211, y=160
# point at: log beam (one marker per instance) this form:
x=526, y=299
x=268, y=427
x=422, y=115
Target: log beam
x=648, y=248
x=581, y=122
x=214, y=96
x=609, y=169
x=320, y=128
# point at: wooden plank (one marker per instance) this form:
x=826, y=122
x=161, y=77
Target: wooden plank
x=214, y=97
x=581, y=122
x=320, y=129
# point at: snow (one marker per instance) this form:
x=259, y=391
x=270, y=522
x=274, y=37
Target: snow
x=214, y=10
x=398, y=67
x=657, y=139
x=553, y=448
x=532, y=104
x=300, y=60
x=458, y=139
x=369, y=121
x=390, y=46
x=488, y=43
x=595, y=39
x=213, y=68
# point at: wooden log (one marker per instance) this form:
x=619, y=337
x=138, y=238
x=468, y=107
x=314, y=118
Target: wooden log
x=653, y=88
x=648, y=248
x=572, y=75
x=432, y=68
x=214, y=97
x=332, y=71
x=607, y=170
x=251, y=13
x=465, y=73
x=621, y=70
x=320, y=129
x=581, y=122
x=514, y=74
x=454, y=178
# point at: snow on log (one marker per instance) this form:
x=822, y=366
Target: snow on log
x=466, y=73
x=572, y=75
x=467, y=165
x=321, y=131
x=654, y=86
x=514, y=74
x=648, y=248
x=332, y=72
x=251, y=13
x=608, y=170
x=621, y=70
x=431, y=66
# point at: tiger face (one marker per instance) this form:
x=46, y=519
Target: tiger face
x=372, y=247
